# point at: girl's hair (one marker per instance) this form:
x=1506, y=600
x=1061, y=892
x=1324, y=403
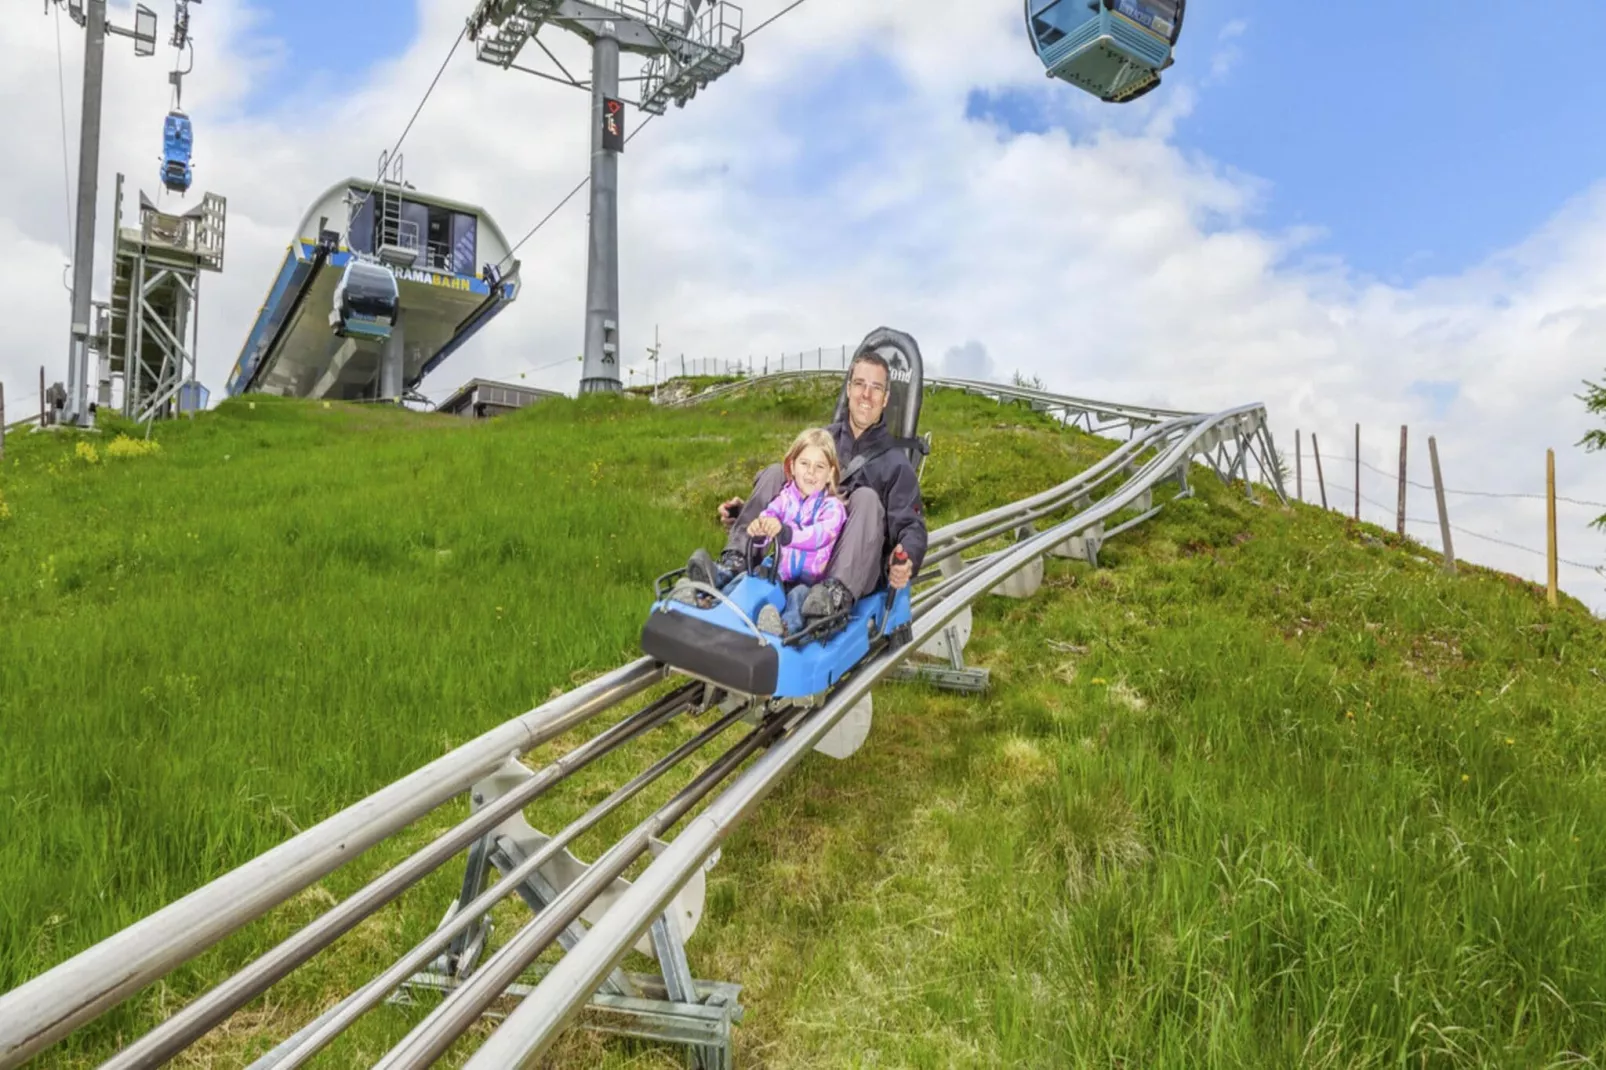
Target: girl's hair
x=821, y=438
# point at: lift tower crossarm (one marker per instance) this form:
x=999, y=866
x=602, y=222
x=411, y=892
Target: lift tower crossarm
x=585, y=20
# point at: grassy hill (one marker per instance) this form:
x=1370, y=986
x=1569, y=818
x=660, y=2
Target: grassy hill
x=1265, y=789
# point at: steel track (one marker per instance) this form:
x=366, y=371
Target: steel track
x=1162, y=446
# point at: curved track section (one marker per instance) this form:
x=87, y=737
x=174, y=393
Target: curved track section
x=1095, y=417
x=656, y=910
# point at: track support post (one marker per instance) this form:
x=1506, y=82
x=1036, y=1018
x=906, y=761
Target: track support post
x=670, y=1007
x=947, y=645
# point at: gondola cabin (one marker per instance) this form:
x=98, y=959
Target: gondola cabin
x=365, y=302
x=1114, y=49
x=177, y=140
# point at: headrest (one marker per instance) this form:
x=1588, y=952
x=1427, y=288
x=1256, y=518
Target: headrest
x=902, y=355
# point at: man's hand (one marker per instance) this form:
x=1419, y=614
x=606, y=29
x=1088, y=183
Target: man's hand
x=900, y=568
x=728, y=510
x=764, y=525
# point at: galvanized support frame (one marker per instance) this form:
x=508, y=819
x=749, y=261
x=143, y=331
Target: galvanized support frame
x=149, y=390
x=671, y=1007
x=701, y=1025
x=155, y=307
x=681, y=1014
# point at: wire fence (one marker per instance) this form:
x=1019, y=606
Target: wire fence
x=1472, y=493
x=647, y=372
x=1326, y=461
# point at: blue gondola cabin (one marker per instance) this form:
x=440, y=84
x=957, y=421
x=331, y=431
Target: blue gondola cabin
x=1114, y=49
x=177, y=139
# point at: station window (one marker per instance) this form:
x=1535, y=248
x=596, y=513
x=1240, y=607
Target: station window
x=438, y=241
x=1053, y=19
x=1166, y=9
x=447, y=240
x=464, y=238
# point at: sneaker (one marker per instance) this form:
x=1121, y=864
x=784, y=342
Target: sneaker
x=827, y=599
x=732, y=563
x=700, y=568
x=769, y=620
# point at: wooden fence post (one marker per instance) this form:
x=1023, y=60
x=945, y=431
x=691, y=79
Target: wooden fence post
x=1399, y=518
x=41, y=396
x=1357, y=471
x=1321, y=483
x=1299, y=469
x=1551, y=562
x=1444, y=516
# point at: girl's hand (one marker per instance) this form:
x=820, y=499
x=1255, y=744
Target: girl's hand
x=764, y=525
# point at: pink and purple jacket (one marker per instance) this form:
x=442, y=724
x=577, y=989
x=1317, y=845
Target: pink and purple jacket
x=816, y=521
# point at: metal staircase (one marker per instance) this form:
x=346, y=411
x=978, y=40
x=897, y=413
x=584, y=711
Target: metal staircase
x=395, y=239
x=150, y=323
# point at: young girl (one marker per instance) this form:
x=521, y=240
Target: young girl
x=810, y=508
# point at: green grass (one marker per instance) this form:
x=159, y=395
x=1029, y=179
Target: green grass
x=1265, y=789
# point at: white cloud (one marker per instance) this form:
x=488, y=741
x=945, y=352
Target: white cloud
x=1108, y=262
x=1227, y=52
x=969, y=361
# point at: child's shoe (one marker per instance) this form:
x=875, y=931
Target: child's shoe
x=732, y=563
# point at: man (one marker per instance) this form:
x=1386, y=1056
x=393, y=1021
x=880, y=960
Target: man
x=885, y=515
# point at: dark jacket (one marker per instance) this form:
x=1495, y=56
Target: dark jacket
x=893, y=479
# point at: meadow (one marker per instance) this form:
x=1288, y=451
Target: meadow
x=1264, y=789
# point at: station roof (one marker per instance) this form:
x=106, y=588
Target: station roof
x=368, y=184
x=462, y=393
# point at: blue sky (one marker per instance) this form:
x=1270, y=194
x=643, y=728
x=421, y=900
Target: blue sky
x=1420, y=138
x=324, y=38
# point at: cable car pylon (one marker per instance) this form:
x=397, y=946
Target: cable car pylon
x=686, y=46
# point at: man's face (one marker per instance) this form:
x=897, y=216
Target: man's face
x=867, y=395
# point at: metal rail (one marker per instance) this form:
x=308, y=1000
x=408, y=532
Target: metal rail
x=301, y=1047
x=189, y=1024
x=537, y=1021
x=1162, y=446
x=41, y=1011
x=1071, y=409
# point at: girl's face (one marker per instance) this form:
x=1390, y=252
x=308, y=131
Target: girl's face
x=811, y=469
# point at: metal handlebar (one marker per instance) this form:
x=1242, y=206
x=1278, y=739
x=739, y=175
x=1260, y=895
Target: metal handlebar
x=714, y=592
